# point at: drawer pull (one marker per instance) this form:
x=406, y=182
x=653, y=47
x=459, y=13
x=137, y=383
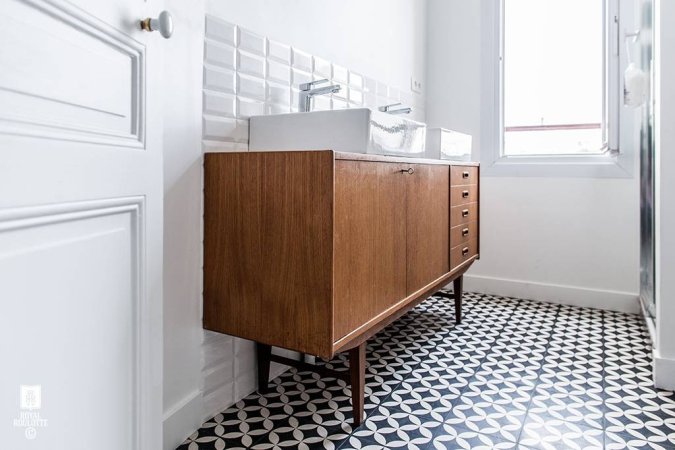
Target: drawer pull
x=465, y=174
x=409, y=171
x=465, y=213
x=465, y=232
x=465, y=194
x=465, y=251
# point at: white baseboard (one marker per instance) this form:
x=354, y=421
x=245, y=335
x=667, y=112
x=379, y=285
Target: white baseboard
x=185, y=417
x=182, y=419
x=664, y=372
x=554, y=293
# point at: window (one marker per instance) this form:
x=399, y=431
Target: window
x=559, y=95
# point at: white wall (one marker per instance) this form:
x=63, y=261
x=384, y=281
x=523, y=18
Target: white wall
x=380, y=39
x=571, y=240
x=383, y=39
x=664, y=361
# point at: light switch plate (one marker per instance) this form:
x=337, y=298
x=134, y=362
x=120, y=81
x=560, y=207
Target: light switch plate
x=415, y=84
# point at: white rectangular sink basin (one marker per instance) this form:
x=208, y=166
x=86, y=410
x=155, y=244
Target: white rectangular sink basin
x=357, y=130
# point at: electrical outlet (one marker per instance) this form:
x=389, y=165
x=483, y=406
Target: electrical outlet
x=415, y=84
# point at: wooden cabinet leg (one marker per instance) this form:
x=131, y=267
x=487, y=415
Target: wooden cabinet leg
x=357, y=369
x=264, y=354
x=457, y=291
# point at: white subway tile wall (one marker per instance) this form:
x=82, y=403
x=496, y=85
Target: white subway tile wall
x=250, y=64
x=219, y=104
x=279, y=52
x=278, y=72
x=322, y=69
x=246, y=74
x=302, y=60
x=220, y=55
x=251, y=42
x=355, y=81
x=216, y=80
x=221, y=31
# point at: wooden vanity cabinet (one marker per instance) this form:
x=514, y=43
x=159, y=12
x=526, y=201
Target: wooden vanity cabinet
x=369, y=242
x=427, y=237
x=316, y=251
x=391, y=237
x=464, y=238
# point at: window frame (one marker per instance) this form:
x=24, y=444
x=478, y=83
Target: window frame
x=615, y=162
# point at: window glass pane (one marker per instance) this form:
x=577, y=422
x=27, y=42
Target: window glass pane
x=553, y=77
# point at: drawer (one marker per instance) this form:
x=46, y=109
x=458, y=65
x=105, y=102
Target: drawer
x=462, y=234
x=461, y=175
x=461, y=195
x=462, y=214
x=463, y=252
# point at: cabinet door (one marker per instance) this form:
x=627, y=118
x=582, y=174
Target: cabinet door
x=428, y=228
x=370, y=242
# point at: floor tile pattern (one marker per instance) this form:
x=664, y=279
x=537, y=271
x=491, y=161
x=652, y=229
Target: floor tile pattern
x=515, y=374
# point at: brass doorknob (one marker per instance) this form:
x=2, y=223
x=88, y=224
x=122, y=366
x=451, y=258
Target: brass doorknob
x=163, y=24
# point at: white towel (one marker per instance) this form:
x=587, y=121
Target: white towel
x=635, y=86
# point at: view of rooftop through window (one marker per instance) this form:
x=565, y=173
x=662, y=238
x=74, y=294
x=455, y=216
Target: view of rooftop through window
x=553, y=77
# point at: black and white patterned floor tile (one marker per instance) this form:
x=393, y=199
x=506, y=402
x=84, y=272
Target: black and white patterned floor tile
x=515, y=374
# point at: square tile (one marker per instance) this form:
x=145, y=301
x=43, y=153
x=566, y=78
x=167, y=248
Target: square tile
x=499, y=421
x=394, y=428
x=453, y=437
x=500, y=392
x=546, y=432
x=421, y=400
x=570, y=406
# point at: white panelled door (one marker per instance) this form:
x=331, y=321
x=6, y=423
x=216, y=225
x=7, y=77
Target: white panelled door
x=80, y=225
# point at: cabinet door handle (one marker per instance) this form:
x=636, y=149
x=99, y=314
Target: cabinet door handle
x=465, y=232
x=465, y=251
x=409, y=170
x=465, y=174
x=465, y=213
x=465, y=194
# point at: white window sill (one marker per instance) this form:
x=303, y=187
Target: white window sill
x=592, y=166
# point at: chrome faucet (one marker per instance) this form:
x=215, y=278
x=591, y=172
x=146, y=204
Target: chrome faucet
x=388, y=109
x=307, y=91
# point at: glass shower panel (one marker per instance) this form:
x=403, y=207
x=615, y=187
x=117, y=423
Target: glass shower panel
x=644, y=59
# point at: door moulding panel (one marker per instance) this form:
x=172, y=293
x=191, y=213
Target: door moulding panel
x=130, y=217
x=87, y=85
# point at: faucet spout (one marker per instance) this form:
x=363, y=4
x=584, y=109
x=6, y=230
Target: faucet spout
x=389, y=109
x=325, y=90
x=308, y=91
x=400, y=111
